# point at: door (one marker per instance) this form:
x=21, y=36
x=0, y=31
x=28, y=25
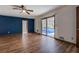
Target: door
x=77, y=26
x=48, y=27
x=44, y=27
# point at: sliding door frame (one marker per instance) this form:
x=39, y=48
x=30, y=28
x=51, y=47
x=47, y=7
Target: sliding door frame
x=46, y=18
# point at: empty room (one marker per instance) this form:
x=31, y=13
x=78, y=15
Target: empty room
x=39, y=28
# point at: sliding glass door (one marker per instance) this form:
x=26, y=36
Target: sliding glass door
x=44, y=27
x=48, y=26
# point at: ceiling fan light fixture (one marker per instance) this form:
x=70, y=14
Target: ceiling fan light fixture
x=23, y=11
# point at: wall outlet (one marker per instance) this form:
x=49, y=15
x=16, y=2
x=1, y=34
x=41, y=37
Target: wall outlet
x=72, y=38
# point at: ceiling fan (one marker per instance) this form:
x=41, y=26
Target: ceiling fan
x=22, y=8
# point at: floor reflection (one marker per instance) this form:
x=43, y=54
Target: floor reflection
x=34, y=43
x=29, y=42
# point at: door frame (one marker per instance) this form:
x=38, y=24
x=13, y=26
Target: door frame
x=46, y=27
x=77, y=15
x=26, y=25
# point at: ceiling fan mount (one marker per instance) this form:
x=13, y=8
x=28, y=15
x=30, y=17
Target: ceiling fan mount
x=22, y=8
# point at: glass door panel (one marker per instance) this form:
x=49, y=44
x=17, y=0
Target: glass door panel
x=50, y=26
x=44, y=30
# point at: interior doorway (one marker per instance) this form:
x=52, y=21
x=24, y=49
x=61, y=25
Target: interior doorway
x=24, y=27
x=48, y=27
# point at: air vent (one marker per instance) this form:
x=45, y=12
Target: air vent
x=61, y=37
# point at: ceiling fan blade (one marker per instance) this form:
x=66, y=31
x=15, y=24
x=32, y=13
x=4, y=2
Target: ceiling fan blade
x=16, y=5
x=27, y=12
x=17, y=8
x=30, y=10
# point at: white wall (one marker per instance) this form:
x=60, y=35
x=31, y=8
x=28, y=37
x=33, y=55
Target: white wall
x=37, y=24
x=65, y=25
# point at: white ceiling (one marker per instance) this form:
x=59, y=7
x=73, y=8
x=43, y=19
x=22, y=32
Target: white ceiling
x=38, y=10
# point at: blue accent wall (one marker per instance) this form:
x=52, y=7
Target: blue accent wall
x=30, y=25
x=10, y=24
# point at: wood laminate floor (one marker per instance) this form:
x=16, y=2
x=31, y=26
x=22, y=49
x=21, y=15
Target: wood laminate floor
x=33, y=43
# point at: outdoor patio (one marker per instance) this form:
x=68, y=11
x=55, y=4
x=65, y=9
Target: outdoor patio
x=50, y=31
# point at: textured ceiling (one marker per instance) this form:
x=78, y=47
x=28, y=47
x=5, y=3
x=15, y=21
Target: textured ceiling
x=38, y=10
